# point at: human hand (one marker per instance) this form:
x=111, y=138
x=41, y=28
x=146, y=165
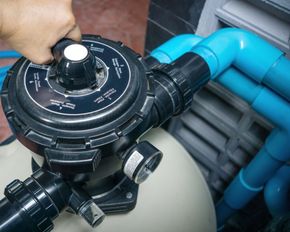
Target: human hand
x=33, y=27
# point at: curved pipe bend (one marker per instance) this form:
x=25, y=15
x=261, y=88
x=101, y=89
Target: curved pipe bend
x=246, y=51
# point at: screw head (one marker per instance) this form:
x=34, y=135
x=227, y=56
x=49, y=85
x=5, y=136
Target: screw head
x=129, y=195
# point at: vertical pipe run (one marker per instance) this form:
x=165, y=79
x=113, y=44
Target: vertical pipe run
x=249, y=182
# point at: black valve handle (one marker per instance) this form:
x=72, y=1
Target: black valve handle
x=58, y=48
x=75, y=66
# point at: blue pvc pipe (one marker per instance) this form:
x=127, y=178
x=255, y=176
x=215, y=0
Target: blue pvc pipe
x=277, y=191
x=263, y=63
x=264, y=101
x=236, y=82
x=168, y=51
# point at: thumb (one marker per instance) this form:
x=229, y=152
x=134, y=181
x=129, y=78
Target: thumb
x=74, y=34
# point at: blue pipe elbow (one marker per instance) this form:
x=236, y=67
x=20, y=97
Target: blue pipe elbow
x=244, y=50
x=277, y=191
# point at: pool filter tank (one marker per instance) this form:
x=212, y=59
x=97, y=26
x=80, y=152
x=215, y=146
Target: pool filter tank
x=85, y=119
